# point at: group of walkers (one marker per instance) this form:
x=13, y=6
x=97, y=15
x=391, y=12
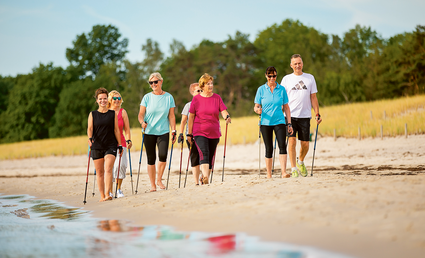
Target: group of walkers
x=283, y=108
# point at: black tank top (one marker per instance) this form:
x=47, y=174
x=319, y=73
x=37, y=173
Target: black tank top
x=103, y=130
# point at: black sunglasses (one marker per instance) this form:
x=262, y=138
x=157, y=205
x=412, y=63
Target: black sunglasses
x=198, y=91
x=116, y=98
x=154, y=82
x=272, y=76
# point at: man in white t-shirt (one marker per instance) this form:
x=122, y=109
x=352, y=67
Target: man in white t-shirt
x=301, y=89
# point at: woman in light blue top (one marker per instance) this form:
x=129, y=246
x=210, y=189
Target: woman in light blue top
x=156, y=116
x=270, y=100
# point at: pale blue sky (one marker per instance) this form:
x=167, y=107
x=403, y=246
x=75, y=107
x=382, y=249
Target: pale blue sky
x=40, y=31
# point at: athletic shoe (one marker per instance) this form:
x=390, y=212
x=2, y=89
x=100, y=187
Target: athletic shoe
x=302, y=169
x=120, y=193
x=295, y=173
x=111, y=194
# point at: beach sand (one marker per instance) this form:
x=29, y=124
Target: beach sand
x=366, y=198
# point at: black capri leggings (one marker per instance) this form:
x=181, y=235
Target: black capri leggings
x=206, y=149
x=267, y=132
x=194, y=155
x=162, y=142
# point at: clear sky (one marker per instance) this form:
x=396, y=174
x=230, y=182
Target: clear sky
x=39, y=31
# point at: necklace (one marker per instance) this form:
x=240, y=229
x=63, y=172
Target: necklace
x=162, y=92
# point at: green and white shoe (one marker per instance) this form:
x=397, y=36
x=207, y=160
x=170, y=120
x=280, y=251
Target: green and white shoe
x=295, y=173
x=302, y=169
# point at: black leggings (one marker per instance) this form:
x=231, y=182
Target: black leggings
x=194, y=155
x=162, y=142
x=267, y=132
x=206, y=148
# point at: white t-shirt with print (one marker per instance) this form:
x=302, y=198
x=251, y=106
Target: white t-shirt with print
x=299, y=89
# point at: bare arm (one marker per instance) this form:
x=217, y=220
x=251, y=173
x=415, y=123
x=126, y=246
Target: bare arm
x=258, y=109
x=183, y=123
x=90, y=128
x=117, y=130
x=172, y=119
x=224, y=114
x=315, y=105
x=127, y=128
x=287, y=111
x=141, y=117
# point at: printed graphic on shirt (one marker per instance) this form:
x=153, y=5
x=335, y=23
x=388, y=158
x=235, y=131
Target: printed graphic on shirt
x=300, y=86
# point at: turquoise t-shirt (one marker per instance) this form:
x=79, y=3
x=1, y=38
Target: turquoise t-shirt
x=157, y=110
x=271, y=104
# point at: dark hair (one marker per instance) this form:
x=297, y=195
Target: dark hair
x=296, y=56
x=100, y=91
x=271, y=70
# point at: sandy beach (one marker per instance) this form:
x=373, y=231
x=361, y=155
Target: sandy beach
x=365, y=199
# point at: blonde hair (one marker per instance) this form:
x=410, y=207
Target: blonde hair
x=111, y=94
x=192, y=87
x=157, y=75
x=205, y=78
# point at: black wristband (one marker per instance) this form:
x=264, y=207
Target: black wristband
x=189, y=135
x=128, y=141
x=289, y=124
x=91, y=139
x=227, y=117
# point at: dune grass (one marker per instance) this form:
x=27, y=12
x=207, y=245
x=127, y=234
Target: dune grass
x=344, y=119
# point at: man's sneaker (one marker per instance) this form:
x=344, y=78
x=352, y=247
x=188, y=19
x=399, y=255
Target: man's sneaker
x=120, y=193
x=302, y=169
x=295, y=173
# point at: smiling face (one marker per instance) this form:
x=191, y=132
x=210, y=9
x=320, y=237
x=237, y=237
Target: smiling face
x=297, y=65
x=271, y=78
x=209, y=86
x=156, y=84
x=102, y=100
x=196, y=91
x=116, y=100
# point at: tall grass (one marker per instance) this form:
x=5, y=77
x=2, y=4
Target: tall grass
x=344, y=119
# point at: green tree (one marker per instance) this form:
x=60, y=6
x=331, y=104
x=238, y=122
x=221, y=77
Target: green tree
x=32, y=102
x=100, y=46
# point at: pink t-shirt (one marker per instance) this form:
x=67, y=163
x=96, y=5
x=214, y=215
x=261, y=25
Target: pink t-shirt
x=207, y=112
x=121, y=126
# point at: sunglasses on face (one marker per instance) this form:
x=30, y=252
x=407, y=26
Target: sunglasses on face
x=116, y=98
x=154, y=82
x=272, y=76
x=198, y=91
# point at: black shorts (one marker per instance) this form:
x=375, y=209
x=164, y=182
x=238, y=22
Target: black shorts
x=302, y=127
x=100, y=154
x=194, y=155
x=151, y=141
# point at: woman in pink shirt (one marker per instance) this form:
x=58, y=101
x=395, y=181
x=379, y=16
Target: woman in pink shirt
x=204, y=125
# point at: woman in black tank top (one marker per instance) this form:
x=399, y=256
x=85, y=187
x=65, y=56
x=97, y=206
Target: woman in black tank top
x=104, y=137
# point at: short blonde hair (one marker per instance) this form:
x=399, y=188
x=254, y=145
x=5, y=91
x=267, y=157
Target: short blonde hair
x=192, y=87
x=205, y=78
x=157, y=75
x=111, y=94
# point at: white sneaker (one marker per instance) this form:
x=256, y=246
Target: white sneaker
x=120, y=193
x=110, y=194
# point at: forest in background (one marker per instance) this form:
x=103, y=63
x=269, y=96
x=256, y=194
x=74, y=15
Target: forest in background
x=53, y=101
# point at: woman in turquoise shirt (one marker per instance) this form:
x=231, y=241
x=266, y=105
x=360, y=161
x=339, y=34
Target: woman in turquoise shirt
x=270, y=100
x=156, y=116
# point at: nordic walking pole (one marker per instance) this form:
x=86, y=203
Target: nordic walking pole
x=181, y=161
x=212, y=165
x=169, y=167
x=224, y=154
x=259, y=145
x=118, y=172
x=315, y=139
x=187, y=169
x=131, y=171
x=87, y=178
x=140, y=160
x=274, y=153
x=94, y=182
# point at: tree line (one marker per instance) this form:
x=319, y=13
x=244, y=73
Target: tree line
x=52, y=101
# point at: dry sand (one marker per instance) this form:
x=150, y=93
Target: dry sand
x=366, y=198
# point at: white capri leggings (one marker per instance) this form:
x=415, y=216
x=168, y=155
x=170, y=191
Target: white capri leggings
x=124, y=164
